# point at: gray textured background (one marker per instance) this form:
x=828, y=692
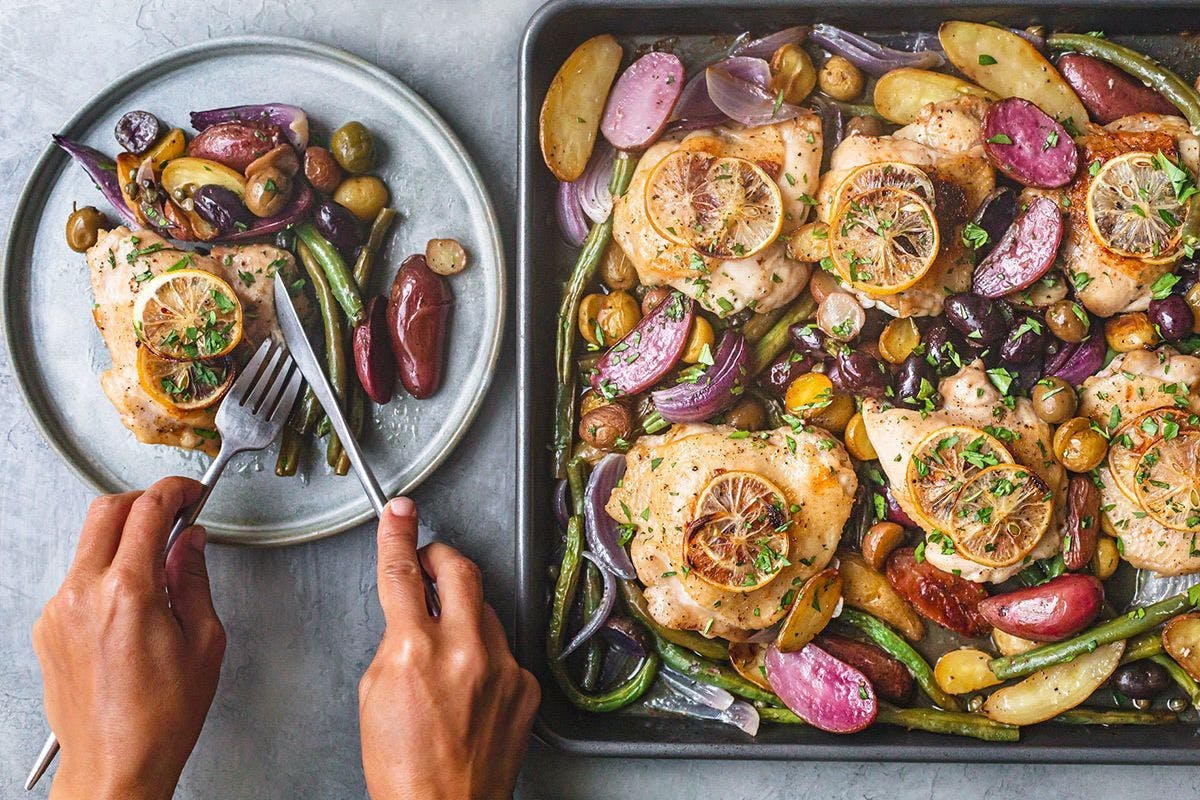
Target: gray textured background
x=303, y=622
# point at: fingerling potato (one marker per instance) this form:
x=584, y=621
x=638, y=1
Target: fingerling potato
x=902, y=93
x=574, y=104
x=1053, y=690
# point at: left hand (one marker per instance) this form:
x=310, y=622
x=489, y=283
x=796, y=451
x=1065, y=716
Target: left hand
x=130, y=649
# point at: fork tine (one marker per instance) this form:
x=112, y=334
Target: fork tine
x=275, y=390
x=246, y=380
x=265, y=380
x=288, y=398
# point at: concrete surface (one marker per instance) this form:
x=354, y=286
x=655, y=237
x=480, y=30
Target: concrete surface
x=303, y=622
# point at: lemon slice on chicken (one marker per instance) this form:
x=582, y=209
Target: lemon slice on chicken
x=188, y=315
x=738, y=538
x=893, y=174
x=1133, y=209
x=723, y=207
x=884, y=240
x=1168, y=481
x=183, y=386
x=1000, y=515
x=942, y=463
x=1131, y=440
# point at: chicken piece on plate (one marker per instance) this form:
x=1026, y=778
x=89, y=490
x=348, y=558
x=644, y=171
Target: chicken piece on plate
x=664, y=491
x=790, y=152
x=1134, y=384
x=120, y=262
x=968, y=398
x=946, y=141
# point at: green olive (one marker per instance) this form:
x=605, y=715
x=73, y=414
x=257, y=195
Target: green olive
x=363, y=196
x=268, y=192
x=1128, y=332
x=1068, y=321
x=864, y=126
x=747, y=415
x=1054, y=400
x=353, y=148
x=83, y=228
x=1078, y=446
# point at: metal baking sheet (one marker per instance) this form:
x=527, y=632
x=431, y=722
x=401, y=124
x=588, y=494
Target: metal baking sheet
x=57, y=353
x=552, y=33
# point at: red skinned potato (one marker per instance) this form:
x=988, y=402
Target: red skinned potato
x=641, y=101
x=823, y=691
x=373, y=359
x=1108, y=92
x=417, y=314
x=1027, y=145
x=1047, y=613
x=235, y=144
x=889, y=677
x=1024, y=254
x=949, y=600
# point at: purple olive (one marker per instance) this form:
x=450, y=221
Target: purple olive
x=221, y=208
x=807, y=337
x=873, y=327
x=783, y=370
x=916, y=383
x=977, y=318
x=1141, y=680
x=137, y=131
x=286, y=240
x=858, y=372
x=339, y=226
x=944, y=347
x=1025, y=341
x=995, y=215
x=1172, y=316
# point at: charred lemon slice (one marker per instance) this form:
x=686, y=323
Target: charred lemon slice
x=1133, y=209
x=721, y=207
x=188, y=315
x=1131, y=439
x=1000, y=515
x=884, y=240
x=738, y=537
x=1167, y=480
x=748, y=660
x=942, y=463
x=183, y=386
x=892, y=174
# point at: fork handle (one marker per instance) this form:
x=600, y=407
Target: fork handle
x=187, y=516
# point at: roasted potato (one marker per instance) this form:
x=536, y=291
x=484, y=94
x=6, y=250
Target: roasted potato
x=1181, y=640
x=574, y=104
x=901, y=93
x=867, y=590
x=1053, y=690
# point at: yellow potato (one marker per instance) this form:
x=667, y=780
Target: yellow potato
x=901, y=93
x=963, y=671
x=867, y=590
x=1053, y=690
x=1010, y=645
x=1181, y=640
x=999, y=60
x=811, y=611
x=574, y=104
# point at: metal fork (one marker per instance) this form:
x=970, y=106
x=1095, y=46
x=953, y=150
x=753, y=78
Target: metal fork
x=250, y=417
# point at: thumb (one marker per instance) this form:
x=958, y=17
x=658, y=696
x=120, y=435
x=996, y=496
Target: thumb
x=189, y=590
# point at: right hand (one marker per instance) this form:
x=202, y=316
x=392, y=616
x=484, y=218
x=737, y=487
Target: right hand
x=444, y=710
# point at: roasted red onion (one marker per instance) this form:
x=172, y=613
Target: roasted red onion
x=871, y=57
x=592, y=189
x=561, y=511
x=601, y=531
x=710, y=393
x=695, y=109
x=103, y=172
x=607, y=601
x=709, y=695
x=1076, y=363
x=767, y=45
x=290, y=119
x=572, y=223
x=738, y=86
x=626, y=635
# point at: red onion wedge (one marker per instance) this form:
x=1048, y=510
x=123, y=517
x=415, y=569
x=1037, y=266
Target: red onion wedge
x=607, y=601
x=695, y=109
x=592, y=187
x=648, y=352
x=1077, y=363
x=601, y=531
x=626, y=635
x=698, y=398
x=767, y=45
x=103, y=172
x=709, y=695
x=738, y=86
x=824, y=692
x=641, y=101
x=871, y=57
x=572, y=223
x=291, y=119
x=561, y=513
x=1025, y=252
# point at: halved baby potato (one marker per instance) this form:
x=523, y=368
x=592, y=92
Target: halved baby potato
x=1181, y=640
x=1053, y=690
x=574, y=104
x=902, y=93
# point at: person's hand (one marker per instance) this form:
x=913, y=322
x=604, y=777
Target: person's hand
x=444, y=710
x=130, y=649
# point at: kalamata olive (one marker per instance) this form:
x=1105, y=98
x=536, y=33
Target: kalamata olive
x=1141, y=680
x=977, y=318
x=653, y=296
x=994, y=216
x=1128, y=332
x=1024, y=342
x=286, y=240
x=137, y=131
x=1173, y=317
x=916, y=383
x=321, y=169
x=777, y=377
x=944, y=347
x=268, y=192
x=353, y=147
x=1054, y=400
x=1068, y=321
x=1025, y=376
x=339, y=226
x=83, y=228
x=364, y=195
x=221, y=207
x=873, y=327
x=860, y=373
x=807, y=337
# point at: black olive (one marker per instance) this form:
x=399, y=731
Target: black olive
x=339, y=226
x=944, y=348
x=1141, y=680
x=137, y=131
x=783, y=370
x=806, y=336
x=978, y=319
x=1025, y=341
x=1173, y=317
x=860, y=373
x=221, y=208
x=916, y=383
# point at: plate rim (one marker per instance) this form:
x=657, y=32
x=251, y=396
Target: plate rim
x=95, y=107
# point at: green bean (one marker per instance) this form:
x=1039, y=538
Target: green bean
x=1125, y=626
x=775, y=340
x=1115, y=716
x=335, y=335
x=712, y=673
x=593, y=660
x=577, y=482
x=324, y=428
x=356, y=417
x=582, y=274
x=882, y=635
x=1142, y=647
x=1179, y=92
x=333, y=450
x=338, y=277
x=635, y=601
x=759, y=324
x=288, y=459
x=1180, y=676
x=565, y=587
x=958, y=723
x=306, y=415
x=366, y=256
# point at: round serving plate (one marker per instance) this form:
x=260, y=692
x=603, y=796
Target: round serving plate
x=57, y=353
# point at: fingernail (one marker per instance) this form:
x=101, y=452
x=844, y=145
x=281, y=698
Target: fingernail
x=402, y=507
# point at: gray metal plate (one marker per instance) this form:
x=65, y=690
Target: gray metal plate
x=57, y=353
